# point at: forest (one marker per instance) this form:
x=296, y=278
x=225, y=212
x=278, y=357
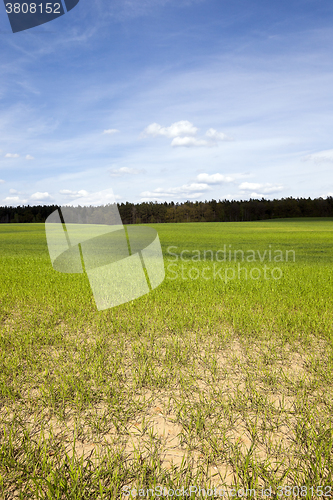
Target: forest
x=189, y=211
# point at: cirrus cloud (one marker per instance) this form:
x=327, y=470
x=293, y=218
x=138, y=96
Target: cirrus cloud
x=320, y=157
x=111, y=131
x=117, y=172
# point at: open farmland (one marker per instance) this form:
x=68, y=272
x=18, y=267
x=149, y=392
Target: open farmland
x=220, y=377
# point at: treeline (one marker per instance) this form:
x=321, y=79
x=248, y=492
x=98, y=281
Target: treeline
x=189, y=211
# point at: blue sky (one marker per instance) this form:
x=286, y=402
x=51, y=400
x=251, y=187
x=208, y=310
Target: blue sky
x=168, y=100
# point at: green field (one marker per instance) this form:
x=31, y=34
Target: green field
x=220, y=377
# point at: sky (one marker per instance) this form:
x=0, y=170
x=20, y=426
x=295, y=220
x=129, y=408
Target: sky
x=168, y=100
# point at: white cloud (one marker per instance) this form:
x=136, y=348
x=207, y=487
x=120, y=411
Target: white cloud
x=94, y=199
x=264, y=188
x=183, y=134
x=320, y=157
x=10, y=155
x=258, y=195
x=249, y=185
x=177, y=129
x=193, y=190
x=41, y=196
x=190, y=142
x=14, y=200
x=74, y=194
x=217, y=136
x=2, y=181
x=215, y=178
x=29, y=157
x=126, y=171
x=111, y=131
x=14, y=191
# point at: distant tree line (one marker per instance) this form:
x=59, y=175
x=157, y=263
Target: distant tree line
x=189, y=211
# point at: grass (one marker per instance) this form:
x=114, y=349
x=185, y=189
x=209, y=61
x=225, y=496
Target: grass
x=215, y=383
